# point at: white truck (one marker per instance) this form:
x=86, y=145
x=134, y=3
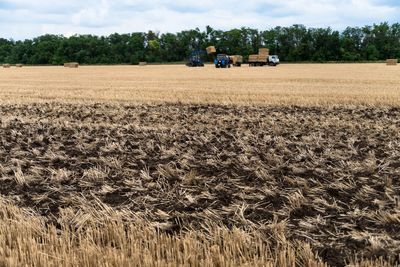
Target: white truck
x=263, y=58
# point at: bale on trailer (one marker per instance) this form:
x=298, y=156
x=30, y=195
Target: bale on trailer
x=263, y=51
x=71, y=65
x=19, y=65
x=262, y=58
x=392, y=62
x=237, y=60
x=211, y=50
x=258, y=60
x=142, y=63
x=253, y=58
x=6, y=66
x=263, y=54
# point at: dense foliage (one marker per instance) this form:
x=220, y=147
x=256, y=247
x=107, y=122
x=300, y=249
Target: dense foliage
x=295, y=43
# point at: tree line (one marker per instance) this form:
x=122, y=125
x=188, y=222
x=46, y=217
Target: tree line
x=293, y=44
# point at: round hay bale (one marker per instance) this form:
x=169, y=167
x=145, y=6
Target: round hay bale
x=142, y=63
x=19, y=65
x=6, y=66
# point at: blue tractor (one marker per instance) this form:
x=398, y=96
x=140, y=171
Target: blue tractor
x=196, y=59
x=222, y=61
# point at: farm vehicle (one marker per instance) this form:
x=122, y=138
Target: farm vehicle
x=222, y=61
x=256, y=60
x=263, y=58
x=196, y=59
x=225, y=61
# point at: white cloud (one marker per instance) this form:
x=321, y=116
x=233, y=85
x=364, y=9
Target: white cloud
x=25, y=19
x=94, y=16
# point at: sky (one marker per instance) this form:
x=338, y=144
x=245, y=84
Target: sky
x=21, y=19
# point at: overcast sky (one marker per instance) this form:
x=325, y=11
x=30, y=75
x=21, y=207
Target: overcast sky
x=21, y=19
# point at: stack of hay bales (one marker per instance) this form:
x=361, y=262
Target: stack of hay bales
x=18, y=65
x=253, y=58
x=211, y=50
x=236, y=59
x=263, y=51
x=142, y=63
x=263, y=54
x=6, y=66
x=261, y=57
x=71, y=65
x=392, y=62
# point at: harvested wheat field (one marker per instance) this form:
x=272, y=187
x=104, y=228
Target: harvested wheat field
x=297, y=165
x=301, y=85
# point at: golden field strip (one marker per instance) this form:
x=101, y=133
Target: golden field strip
x=292, y=166
x=302, y=84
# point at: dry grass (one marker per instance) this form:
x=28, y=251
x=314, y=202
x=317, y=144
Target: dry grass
x=305, y=85
x=162, y=172
x=211, y=50
x=391, y=62
x=82, y=238
x=276, y=176
x=71, y=65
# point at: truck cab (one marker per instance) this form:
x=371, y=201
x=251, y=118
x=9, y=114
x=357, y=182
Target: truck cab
x=273, y=60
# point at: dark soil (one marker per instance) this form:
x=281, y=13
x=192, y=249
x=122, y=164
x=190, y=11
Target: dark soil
x=332, y=173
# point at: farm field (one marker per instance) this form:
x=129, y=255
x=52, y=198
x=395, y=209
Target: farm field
x=297, y=84
x=297, y=165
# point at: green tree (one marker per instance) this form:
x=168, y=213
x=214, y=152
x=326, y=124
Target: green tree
x=294, y=43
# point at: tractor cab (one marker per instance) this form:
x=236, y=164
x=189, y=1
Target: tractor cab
x=196, y=59
x=222, y=61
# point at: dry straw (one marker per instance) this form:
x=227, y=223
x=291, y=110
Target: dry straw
x=236, y=59
x=316, y=88
x=71, y=65
x=391, y=62
x=211, y=49
x=263, y=54
x=254, y=225
x=253, y=58
x=263, y=51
